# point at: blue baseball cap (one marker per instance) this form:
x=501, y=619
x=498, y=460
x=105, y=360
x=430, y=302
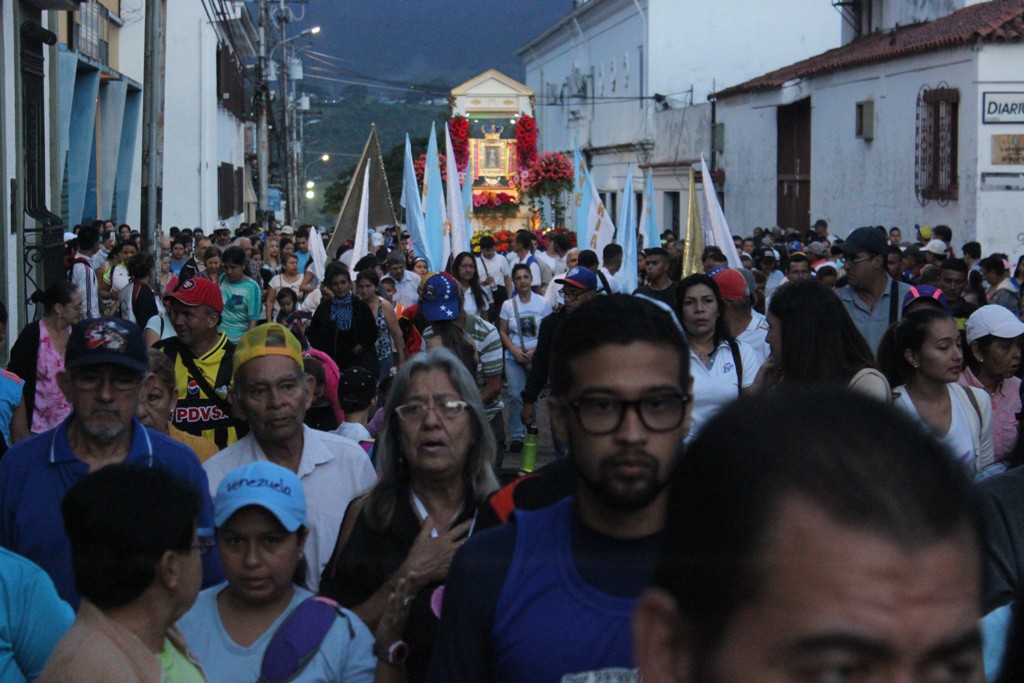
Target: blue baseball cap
x=106, y=340
x=439, y=298
x=264, y=484
x=580, y=277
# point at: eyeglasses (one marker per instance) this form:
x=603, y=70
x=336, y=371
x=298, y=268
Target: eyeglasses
x=414, y=412
x=600, y=416
x=87, y=380
x=859, y=260
x=204, y=544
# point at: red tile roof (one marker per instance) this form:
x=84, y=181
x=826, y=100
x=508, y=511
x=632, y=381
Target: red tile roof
x=997, y=21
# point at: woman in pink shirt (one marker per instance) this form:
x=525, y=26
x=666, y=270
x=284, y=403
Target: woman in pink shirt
x=993, y=356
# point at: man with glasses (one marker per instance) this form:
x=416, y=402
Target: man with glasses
x=105, y=363
x=272, y=392
x=551, y=597
x=871, y=297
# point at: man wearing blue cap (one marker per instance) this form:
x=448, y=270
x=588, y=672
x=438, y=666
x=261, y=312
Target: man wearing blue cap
x=104, y=366
x=579, y=286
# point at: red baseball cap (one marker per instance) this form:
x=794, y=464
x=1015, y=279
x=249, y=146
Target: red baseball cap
x=198, y=291
x=731, y=284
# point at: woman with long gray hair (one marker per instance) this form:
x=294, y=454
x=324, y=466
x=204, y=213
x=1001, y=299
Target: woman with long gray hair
x=435, y=451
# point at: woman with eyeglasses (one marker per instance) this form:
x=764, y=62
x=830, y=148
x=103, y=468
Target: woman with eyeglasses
x=434, y=451
x=38, y=357
x=259, y=624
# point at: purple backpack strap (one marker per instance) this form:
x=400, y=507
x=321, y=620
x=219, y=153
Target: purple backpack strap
x=298, y=638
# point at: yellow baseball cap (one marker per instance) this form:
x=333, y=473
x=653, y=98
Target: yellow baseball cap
x=268, y=339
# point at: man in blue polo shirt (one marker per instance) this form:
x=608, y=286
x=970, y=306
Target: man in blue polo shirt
x=105, y=363
x=872, y=298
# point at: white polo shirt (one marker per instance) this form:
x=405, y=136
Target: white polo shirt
x=717, y=384
x=756, y=336
x=333, y=470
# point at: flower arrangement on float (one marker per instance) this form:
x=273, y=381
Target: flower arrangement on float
x=495, y=203
x=502, y=240
x=548, y=177
x=526, y=141
x=458, y=127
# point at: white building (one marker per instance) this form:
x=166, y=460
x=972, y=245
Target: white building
x=918, y=124
x=206, y=112
x=71, y=97
x=628, y=80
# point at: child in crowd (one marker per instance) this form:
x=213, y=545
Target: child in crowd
x=357, y=393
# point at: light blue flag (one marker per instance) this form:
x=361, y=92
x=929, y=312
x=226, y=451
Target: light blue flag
x=648, y=224
x=625, y=235
x=413, y=205
x=434, y=209
x=593, y=223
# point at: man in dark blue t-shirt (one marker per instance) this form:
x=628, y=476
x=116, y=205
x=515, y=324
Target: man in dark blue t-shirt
x=553, y=594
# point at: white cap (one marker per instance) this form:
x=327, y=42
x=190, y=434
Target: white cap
x=68, y=236
x=994, y=320
x=937, y=247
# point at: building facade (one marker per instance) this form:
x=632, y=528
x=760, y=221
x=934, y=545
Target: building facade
x=906, y=125
x=627, y=80
x=207, y=112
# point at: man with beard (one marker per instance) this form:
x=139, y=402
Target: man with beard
x=104, y=365
x=550, y=597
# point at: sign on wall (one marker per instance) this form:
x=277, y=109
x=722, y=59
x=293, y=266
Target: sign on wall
x=1002, y=107
x=1008, y=150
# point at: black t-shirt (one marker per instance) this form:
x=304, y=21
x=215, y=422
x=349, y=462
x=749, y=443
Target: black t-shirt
x=667, y=296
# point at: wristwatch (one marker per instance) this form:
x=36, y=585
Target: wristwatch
x=395, y=654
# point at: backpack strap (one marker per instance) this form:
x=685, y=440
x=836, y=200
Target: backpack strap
x=604, y=282
x=894, y=303
x=737, y=359
x=298, y=638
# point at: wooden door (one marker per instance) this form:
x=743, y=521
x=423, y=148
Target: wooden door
x=794, y=166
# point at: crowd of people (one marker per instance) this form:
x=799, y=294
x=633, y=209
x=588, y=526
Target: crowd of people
x=234, y=463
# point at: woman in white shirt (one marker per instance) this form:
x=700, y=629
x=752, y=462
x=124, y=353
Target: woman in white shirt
x=922, y=359
x=722, y=367
x=518, y=325
x=289, y=277
x=475, y=299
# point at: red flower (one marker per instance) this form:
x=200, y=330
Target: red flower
x=459, y=129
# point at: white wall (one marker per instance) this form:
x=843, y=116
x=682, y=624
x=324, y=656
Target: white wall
x=853, y=182
x=998, y=217
x=198, y=134
x=711, y=45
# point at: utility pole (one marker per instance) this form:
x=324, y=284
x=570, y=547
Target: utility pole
x=286, y=116
x=262, y=132
x=152, y=123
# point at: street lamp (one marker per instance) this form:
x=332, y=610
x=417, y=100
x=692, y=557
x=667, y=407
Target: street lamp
x=310, y=194
x=310, y=184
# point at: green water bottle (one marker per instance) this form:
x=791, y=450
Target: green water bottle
x=529, y=455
